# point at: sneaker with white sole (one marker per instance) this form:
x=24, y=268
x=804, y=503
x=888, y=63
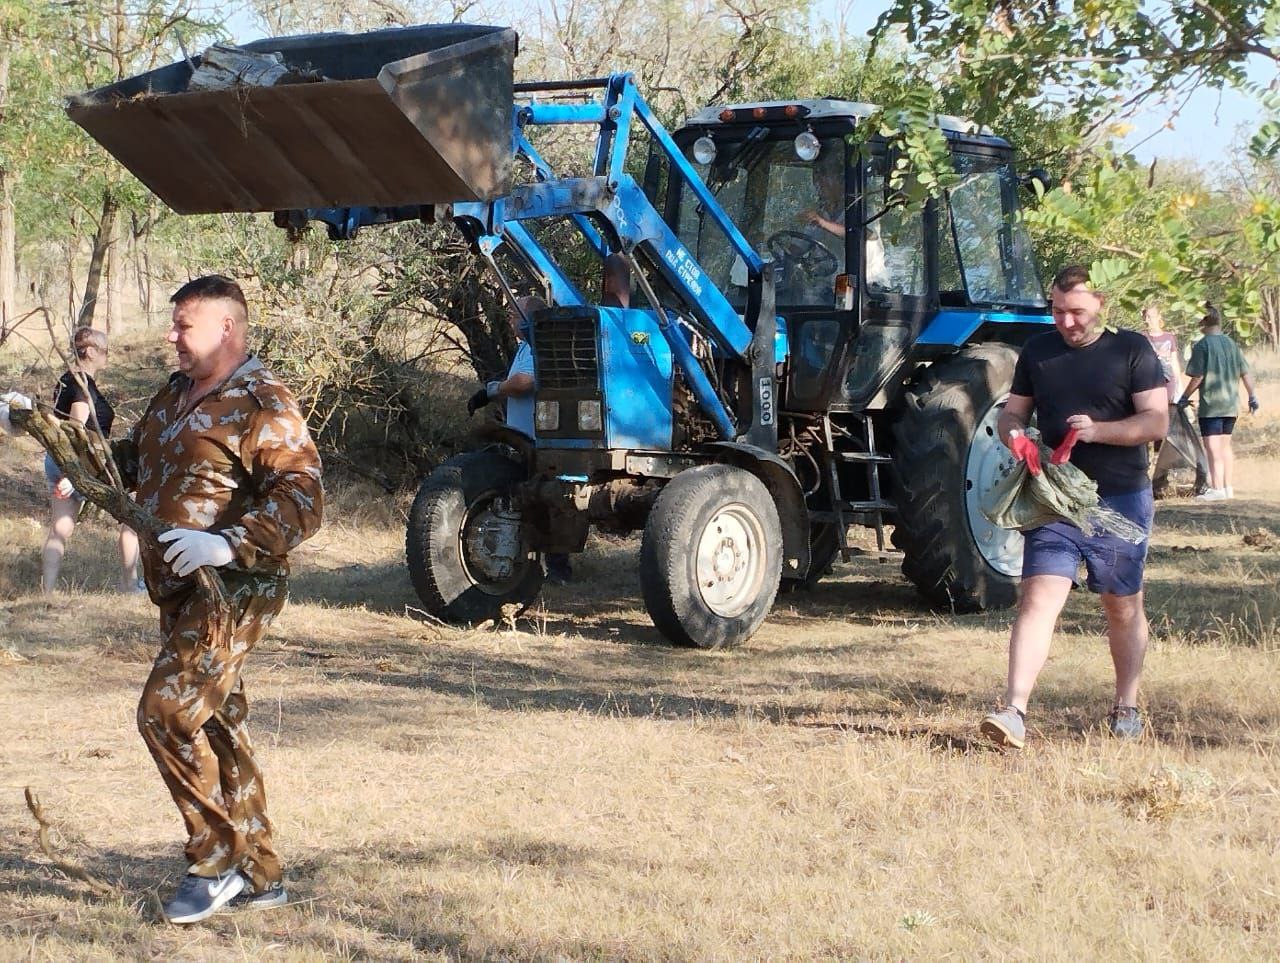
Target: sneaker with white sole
x=1231, y=492
x=1006, y=728
x=274, y=895
x=1125, y=722
x=1212, y=495
x=199, y=897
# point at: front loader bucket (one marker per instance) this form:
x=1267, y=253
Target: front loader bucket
x=416, y=115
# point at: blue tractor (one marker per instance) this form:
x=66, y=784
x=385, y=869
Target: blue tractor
x=804, y=352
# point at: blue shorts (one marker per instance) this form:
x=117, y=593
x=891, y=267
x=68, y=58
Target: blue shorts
x=1114, y=566
x=53, y=475
x=1217, y=426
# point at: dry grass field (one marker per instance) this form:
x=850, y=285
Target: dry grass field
x=574, y=790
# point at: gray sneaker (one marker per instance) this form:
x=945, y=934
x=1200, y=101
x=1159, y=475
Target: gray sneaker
x=199, y=897
x=271, y=897
x=1125, y=722
x=1006, y=728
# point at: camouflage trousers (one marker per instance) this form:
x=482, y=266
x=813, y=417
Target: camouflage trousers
x=193, y=716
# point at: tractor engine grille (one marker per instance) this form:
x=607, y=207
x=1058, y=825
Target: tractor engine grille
x=565, y=354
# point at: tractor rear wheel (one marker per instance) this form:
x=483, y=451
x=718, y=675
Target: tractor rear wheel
x=465, y=547
x=947, y=453
x=711, y=557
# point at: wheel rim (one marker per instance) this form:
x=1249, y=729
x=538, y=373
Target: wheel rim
x=730, y=561
x=481, y=569
x=1001, y=548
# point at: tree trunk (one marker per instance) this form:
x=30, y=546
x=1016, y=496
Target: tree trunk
x=8, y=234
x=115, y=280
x=142, y=265
x=101, y=241
x=8, y=254
x=1270, y=318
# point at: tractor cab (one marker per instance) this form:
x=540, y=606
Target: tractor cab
x=864, y=283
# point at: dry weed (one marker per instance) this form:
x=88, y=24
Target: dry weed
x=1167, y=792
x=1262, y=539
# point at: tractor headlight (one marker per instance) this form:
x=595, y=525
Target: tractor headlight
x=807, y=146
x=589, y=416
x=704, y=150
x=546, y=415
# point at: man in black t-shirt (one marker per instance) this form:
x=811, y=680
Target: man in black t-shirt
x=1100, y=396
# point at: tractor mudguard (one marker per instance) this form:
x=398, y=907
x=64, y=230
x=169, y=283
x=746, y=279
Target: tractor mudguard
x=787, y=494
x=493, y=433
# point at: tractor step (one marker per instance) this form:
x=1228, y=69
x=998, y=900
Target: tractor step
x=864, y=457
x=851, y=508
x=882, y=555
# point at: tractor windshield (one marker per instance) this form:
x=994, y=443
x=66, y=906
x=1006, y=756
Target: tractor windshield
x=790, y=210
x=986, y=252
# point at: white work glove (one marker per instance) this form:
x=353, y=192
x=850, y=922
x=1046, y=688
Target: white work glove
x=64, y=488
x=12, y=399
x=193, y=549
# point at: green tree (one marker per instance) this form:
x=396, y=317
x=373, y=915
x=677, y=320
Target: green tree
x=1098, y=62
x=66, y=188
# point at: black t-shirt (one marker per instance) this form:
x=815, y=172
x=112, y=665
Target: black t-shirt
x=67, y=392
x=1098, y=380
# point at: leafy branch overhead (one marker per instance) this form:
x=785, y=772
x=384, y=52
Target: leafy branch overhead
x=1096, y=57
x=1087, y=68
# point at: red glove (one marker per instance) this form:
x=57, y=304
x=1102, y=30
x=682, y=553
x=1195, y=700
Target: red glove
x=1026, y=450
x=1063, y=452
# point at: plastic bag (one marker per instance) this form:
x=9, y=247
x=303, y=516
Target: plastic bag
x=1060, y=493
x=1181, y=463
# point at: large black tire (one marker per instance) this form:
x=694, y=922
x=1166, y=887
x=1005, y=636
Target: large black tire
x=741, y=573
x=451, y=586
x=941, y=415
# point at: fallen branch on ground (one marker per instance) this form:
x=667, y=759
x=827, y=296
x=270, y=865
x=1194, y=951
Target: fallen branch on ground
x=68, y=866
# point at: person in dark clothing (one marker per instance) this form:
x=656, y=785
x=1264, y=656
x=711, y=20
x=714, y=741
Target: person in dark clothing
x=76, y=398
x=616, y=283
x=1100, y=396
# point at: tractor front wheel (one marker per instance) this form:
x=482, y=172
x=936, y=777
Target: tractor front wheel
x=465, y=546
x=711, y=557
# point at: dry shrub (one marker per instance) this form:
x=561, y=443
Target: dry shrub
x=1262, y=540
x=382, y=337
x=1168, y=792
x=11, y=656
x=132, y=649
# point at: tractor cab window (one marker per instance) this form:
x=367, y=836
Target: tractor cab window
x=994, y=248
x=790, y=210
x=894, y=237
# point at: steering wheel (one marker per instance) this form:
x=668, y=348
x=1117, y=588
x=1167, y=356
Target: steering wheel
x=805, y=251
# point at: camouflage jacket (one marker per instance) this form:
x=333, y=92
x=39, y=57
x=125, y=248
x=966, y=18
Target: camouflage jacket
x=240, y=462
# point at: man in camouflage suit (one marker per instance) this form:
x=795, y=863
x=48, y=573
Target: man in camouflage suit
x=224, y=455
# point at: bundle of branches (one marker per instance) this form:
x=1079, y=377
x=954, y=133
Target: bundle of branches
x=86, y=460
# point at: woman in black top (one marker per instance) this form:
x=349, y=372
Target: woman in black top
x=71, y=400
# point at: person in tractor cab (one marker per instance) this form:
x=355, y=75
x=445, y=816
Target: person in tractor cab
x=829, y=214
x=1100, y=398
